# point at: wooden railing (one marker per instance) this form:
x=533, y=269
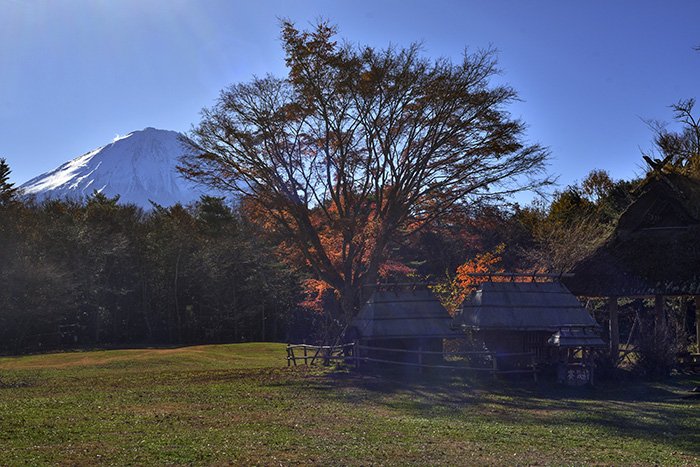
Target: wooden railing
x=357, y=354
x=494, y=358
x=324, y=353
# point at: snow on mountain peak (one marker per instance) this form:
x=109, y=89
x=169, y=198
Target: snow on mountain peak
x=139, y=167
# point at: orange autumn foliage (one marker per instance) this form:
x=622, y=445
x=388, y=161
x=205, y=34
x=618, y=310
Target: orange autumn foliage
x=452, y=292
x=475, y=271
x=316, y=295
x=319, y=295
x=484, y=267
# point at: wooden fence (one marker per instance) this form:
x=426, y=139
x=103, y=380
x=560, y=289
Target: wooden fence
x=356, y=354
x=322, y=353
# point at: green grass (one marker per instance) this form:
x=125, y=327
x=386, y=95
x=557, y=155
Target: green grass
x=239, y=404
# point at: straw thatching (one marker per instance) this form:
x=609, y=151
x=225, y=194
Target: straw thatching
x=408, y=312
x=654, y=249
x=522, y=306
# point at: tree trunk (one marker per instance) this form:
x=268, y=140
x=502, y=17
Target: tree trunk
x=659, y=316
x=177, y=303
x=147, y=310
x=614, y=331
x=697, y=322
x=348, y=302
x=262, y=323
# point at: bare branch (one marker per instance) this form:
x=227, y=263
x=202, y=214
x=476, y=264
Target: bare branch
x=357, y=143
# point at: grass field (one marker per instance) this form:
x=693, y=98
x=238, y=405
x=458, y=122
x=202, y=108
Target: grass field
x=240, y=404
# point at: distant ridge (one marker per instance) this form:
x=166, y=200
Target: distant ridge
x=139, y=167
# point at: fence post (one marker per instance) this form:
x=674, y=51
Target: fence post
x=306, y=361
x=356, y=354
x=313, y=359
x=420, y=358
x=289, y=362
x=494, y=363
x=614, y=331
x=326, y=354
x=534, y=367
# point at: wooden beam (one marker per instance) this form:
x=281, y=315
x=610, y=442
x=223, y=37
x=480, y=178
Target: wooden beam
x=614, y=330
x=420, y=356
x=697, y=322
x=659, y=315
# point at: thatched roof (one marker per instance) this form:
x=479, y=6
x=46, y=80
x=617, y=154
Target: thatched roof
x=663, y=200
x=655, y=246
x=522, y=306
x=403, y=313
x=577, y=337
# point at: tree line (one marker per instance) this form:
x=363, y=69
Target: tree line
x=99, y=273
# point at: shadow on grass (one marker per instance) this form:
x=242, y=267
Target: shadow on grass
x=651, y=411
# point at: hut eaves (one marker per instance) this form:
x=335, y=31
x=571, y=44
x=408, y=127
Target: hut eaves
x=404, y=313
x=576, y=337
x=522, y=306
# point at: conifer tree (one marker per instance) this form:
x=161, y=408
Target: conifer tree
x=7, y=189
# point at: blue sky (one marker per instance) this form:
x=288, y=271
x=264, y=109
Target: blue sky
x=76, y=73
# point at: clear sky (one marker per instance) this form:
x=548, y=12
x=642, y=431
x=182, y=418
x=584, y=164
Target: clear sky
x=76, y=73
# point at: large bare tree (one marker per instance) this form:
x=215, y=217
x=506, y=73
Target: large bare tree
x=681, y=149
x=358, y=146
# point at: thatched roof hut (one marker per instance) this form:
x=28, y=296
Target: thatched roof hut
x=530, y=317
x=654, y=249
x=522, y=306
x=399, y=323
x=403, y=312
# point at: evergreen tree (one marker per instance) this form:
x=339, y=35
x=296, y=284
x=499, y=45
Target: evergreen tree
x=7, y=189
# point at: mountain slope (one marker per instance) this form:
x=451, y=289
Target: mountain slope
x=139, y=167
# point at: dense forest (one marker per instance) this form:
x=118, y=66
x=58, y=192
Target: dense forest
x=99, y=273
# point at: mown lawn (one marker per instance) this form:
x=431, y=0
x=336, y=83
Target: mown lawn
x=239, y=404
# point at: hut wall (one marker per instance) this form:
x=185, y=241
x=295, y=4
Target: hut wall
x=412, y=344
x=503, y=341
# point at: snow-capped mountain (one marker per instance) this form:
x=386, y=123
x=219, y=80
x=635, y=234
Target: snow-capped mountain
x=139, y=167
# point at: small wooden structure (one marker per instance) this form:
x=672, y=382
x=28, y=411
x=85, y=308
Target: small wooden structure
x=575, y=345
x=653, y=252
x=403, y=323
x=542, y=318
x=310, y=354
